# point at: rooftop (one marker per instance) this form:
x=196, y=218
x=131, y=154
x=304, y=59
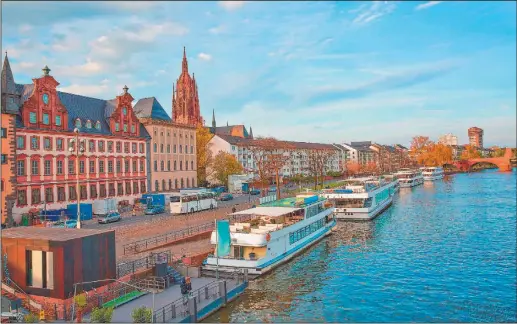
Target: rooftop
x=267, y=211
x=49, y=233
x=293, y=202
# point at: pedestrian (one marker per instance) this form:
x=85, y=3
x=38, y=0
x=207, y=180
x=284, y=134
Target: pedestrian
x=134, y=211
x=234, y=209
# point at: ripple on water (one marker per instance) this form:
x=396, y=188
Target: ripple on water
x=444, y=252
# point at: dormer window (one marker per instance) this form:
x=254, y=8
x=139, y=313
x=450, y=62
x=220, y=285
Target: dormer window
x=88, y=124
x=124, y=111
x=98, y=125
x=117, y=127
x=125, y=128
x=132, y=128
x=78, y=123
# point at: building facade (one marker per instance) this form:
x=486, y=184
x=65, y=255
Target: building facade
x=475, y=137
x=172, y=148
x=448, y=139
x=230, y=130
x=112, y=162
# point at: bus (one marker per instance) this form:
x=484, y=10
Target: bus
x=189, y=203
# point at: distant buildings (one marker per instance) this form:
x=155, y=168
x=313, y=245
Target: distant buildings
x=448, y=139
x=476, y=137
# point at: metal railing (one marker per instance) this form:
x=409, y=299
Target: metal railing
x=130, y=267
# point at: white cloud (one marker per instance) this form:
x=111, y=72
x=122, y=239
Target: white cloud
x=368, y=13
x=428, y=4
x=231, y=5
x=204, y=56
x=217, y=30
x=89, y=89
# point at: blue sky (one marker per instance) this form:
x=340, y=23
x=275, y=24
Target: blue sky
x=311, y=71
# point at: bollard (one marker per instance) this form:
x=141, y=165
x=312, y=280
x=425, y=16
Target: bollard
x=222, y=292
x=245, y=275
x=192, y=308
x=206, y=292
x=173, y=311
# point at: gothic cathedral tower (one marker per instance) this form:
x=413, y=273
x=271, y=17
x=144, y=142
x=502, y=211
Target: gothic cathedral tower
x=185, y=99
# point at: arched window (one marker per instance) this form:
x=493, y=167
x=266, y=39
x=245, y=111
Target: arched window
x=174, y=165
x=156, y=186
x=88, y=124
x=188, y=183
x=181, y=165
x=78, y=123
x=163, y=184
x=98, y=125
x=162, y=165
x=175, y=183
x=170, y=184
x=191, y=165
x=186, y=165
x=155, y=166
x=182, y=183
x=193, y=183
x=155, y=147
x=168, y=165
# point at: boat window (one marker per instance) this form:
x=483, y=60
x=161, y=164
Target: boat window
x=368, y=203
x=175, y=199
x=349, y=203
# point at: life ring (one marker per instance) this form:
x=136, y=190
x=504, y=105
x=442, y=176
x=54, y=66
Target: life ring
x=268, y=237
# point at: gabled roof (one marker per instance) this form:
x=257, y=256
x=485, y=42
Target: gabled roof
x=150, y=108
x=235, y=140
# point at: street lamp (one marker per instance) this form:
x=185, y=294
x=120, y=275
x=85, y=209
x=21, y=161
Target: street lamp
x=115, y=280
x=79, y=149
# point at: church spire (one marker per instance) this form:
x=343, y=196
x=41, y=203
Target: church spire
x=184, y=65
x=213, y=120
x=251, y=133
x=9, y=94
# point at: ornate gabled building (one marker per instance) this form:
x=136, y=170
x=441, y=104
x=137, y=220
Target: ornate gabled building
x=113, y=163
x=185, y=98
x=230, y=130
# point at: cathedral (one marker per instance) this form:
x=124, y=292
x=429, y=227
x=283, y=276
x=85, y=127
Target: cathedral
x=185, y=99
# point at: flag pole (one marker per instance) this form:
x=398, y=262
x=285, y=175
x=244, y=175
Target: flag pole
x=216, y=251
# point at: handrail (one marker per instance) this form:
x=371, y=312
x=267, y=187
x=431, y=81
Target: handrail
x=8, y=286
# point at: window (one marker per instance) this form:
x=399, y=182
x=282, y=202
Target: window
x=181, y=165
x=110, y=146
x=119, y=147
x=4, y=158
x=156, y=185
x=20, y=142
x=47, y=143
x=142, y=187
x=134, y=167
x=119, y=167
x=91, y=145
x=168, y=148
x=181, y=148
x=36, y=196
x=49, y=195
x=59, y=167
x=46, y=120
x=59, y=144
x=120, y=189
x=125, y=128
x=22, y=197
x=34, y=143
x=182, y=184
x=133, y=147
x=135, y=187
x=98, y=125
x=58, y=120
x=61, y=194
x=101, y=166
x=142, y=166
x=84, y=192
x=81, y=167
x=92, y=166
x=102, y=190
x=161, y=148
x=176, y=184
x=47, y=167
x=186, y=149
x=155, y=166
x=20, y=168
x=186, y=165
x=71, y=166
x=128, y=188
x=32, y=117
x=88, y=124
x=191, y=165
x=3, y=132
x=110, y=166
x=126, y=147
x=155, y=147
x=93, y=191
x=78, y=123
x=132, y=128
x=101, y=146
x=162, y=166
x=141, y=148
x=233, y=148
x=111, y=189
x=170, y=184
x=124, y=111
x=191, y=149
x=35, y=167
x=126, y=166
x=168, y=165
x=174, y=165
x=163, y=184
x=117, y=127
x=174, y=148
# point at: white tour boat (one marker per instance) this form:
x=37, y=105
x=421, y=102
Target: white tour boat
x=278, y=231
x=409, y=178
x=392, y=178
x=432, y=173
x=361, y=198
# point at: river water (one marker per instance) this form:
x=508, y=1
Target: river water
x=444, y=252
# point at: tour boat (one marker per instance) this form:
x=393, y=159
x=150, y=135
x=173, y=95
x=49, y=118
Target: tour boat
x=392, y=178
x=409, y=178
x=278, y=231
x=361, y=198
x=432, y=173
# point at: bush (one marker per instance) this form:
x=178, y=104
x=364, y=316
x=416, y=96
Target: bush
x=142, y=315
x=101, y=315
x=30, y=318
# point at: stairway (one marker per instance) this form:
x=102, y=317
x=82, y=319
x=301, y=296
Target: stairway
x=171, y=272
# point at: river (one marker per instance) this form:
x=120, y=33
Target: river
x=444, y=252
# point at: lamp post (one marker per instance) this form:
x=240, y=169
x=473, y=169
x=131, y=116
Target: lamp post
x=115, y=280
x=79, y=149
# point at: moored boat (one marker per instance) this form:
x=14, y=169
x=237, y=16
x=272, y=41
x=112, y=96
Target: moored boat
x=409, y=178
x=432, y=173
x=361, y=198
x=278, y=231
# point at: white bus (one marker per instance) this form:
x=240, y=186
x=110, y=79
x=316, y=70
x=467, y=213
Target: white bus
x=194, y=202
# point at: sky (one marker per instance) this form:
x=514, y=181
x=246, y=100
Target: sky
x=329, y=72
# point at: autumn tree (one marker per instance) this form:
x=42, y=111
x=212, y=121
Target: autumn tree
x=435, y=154
x=225, y=164
x=418, y=146
x=204, y=153
x=269, y=157
x=317, y=161
x=498, y=152
x=470, y=152
x=352, y=167
x=370, y=168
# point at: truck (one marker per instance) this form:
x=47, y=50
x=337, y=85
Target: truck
x=104, y=206
x=153, y=199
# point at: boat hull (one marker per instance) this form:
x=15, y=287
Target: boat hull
x=363, y=215
x=414, y=183
x=434, y=177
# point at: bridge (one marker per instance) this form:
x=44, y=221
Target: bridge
x=503, y=162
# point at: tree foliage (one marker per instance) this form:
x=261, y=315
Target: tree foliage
x=101, y=315
x=142, y=315
x=203, y=153
x=352, y=167
x=498, y=151
x=225, y=164
x=428, y=153
x=317, y=160
x=31, y=318
x=470, y=152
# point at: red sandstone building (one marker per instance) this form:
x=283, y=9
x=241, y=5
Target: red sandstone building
x=114, y=161
x=476, y=137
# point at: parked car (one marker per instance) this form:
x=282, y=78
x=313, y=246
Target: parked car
x=71, y=223
x=254, y=192
x=226, y=197
x=109, y=218
x=153, y=210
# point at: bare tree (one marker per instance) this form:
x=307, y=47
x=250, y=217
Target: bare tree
x=318, y=159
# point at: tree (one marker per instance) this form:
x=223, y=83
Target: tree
x=371, y=167
x=498, y=152
x=352, y=167
x=418, y=146
x=31, y=318
x=203, y=153
x=269, y=157
x=317, y=160
x=470, y=152
x=225, y=164
x=101, y=315
x=142, y=315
